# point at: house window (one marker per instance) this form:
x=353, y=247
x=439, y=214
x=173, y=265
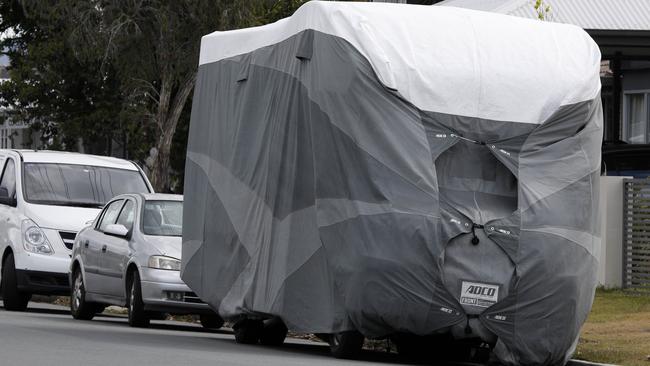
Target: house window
x=636, y=114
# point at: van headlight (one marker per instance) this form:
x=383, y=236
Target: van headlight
x=161, y=262
x=34, y=239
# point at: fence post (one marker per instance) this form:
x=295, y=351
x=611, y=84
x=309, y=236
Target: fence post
x=636, y=234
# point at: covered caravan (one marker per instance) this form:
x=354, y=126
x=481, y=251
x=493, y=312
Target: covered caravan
x=399, y=169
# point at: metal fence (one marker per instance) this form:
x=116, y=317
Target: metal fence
x=636, y=234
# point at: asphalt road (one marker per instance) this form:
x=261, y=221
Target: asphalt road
x=46, y=335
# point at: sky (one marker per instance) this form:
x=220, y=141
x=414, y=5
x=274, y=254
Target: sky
x=4, y=60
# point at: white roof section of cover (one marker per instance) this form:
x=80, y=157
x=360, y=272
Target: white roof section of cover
x=444, y=59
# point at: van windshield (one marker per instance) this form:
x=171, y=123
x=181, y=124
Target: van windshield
x=78, y=185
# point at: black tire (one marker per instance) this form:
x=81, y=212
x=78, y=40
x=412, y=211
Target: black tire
x=99, y=308
x=79, y=307
x=410, y=347
x=156, y=315
x=274, y=332
x=346, y=344
x=138, y=317
x=13, y=299
x=211, y=321
x=248, y=331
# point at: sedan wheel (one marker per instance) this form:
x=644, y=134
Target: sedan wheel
x=79, y=308
x=138, y=317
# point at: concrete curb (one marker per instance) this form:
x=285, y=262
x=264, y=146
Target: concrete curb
x=586, y=363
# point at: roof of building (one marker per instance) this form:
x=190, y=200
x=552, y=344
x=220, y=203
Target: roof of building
x=588, y=14
x=61, y=157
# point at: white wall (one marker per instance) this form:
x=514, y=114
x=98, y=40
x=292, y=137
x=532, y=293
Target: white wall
x=611, y=254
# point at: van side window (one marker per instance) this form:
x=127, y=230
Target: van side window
x=110, y=214
x=8, y=180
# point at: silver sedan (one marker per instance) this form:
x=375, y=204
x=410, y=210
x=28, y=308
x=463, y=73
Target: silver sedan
x=130, y=256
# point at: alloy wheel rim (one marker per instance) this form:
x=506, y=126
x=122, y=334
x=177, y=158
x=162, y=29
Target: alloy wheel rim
x=131, y=306
x=77, y=291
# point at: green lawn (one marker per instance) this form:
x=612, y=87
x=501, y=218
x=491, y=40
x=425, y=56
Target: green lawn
x=617, y=330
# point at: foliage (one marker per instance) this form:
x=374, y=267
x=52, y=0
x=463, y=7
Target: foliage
x=50, y=88
x=542, y=9
x=116, y=71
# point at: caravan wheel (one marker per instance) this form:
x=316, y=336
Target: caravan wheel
x=346, y=344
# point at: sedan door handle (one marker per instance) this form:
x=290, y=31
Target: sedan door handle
x=104, y=249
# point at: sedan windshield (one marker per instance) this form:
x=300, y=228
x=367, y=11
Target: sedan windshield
x=78, y=185
x=163, y=218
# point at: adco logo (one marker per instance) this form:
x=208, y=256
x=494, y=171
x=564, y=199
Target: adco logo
x=478, y=294
x=481, y=290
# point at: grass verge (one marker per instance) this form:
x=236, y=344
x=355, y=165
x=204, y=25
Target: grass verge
x=617, y=330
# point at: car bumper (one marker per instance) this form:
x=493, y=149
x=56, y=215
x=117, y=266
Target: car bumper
x=55, y=263
x=43, y=283
x=164, y=291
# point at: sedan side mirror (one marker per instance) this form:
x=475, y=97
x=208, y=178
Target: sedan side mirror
x=117, y=230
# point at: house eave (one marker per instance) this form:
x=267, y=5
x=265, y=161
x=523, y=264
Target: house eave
x=630, y=44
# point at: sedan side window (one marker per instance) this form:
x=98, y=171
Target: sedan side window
x=8, y=181
x=127, y=215
x=110, y=214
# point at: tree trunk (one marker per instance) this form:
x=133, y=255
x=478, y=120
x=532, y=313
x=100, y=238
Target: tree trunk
x=160, y=170
x=167, y=120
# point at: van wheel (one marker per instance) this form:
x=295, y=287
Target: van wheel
x=274, y=332
x=138, y=317
x=211, y=321
x=346, y=344
x=248, y=331
x=79, y=307
x=13, y=299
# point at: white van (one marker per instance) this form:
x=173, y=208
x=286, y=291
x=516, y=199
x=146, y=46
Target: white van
x=46, y=197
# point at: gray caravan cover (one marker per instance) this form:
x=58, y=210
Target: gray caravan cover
x=395, y=168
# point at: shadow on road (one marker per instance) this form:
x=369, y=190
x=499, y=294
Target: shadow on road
x=166, y=325
x=47, y=311
x=368, y=355
x=40, y=309
x=188, y=328
x=323, y=350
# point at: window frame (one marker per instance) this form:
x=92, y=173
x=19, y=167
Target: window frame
x=135, y=211
x=103, y=213
x=4, y=170
x=626, y=115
